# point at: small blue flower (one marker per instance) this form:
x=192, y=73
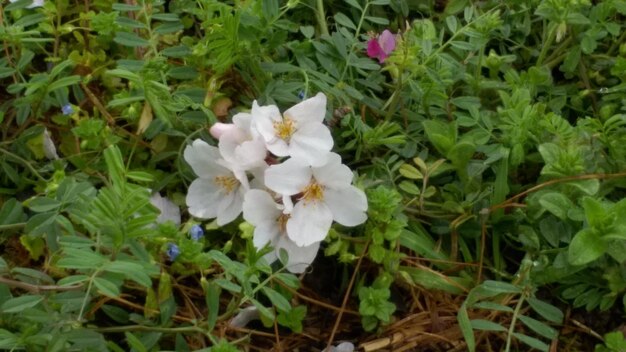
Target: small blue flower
x=67, y=109
x=301, y=95
x=172, y=251
x=196, y=232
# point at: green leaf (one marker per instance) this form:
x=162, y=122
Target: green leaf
x=106, y=287
x=134, y=342
x=595, y=211
x=43, y=204
x=498, y=287
x=228, y=285
x=130, y=39
x=466, y=328
x=276, y=298
x=482, y=324
x=546, y=310
x=556, y=203
x=539, y=327
x=18, y=304
x=586, y=246
x=532, y=342
x=64, y=82
x=344, y=21
x=212, y=299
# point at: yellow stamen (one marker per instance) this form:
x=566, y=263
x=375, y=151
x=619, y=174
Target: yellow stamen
x=282, y=222
x=228, y=183
x=285, y=128
x=313, y=192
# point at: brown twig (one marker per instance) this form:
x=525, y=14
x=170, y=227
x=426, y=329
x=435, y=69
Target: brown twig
x=37, y=288
x=345, y=297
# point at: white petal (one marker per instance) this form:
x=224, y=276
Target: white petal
x=265, y=233
x=202, y=198
x=49, y=149
x=289, y=177
x=244, y=317
x=299, y=257
x=263, y=118
x=169, y=210
x=310, y=110
x=230, y=206
x=251, y=153
x=203, y=159
x=311, y=142
x=259, y=207
x=278, y=147
x=348, y=205
x=309, y=223
x=333, y=173
x=243, y=121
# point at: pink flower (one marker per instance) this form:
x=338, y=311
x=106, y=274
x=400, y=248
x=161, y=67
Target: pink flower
x=381, y=47
x=219, y=128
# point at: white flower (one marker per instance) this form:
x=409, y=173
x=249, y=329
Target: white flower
x=49, y=149
x=245, y=316
x=169, y=210
x=218, y=191
x=324, y=193
x=35, y=3
x=260, y=210
x=342, y=347
x=299, y=132
x=239, y=146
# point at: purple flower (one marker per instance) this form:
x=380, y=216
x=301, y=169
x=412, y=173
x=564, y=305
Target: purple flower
x=172, y=251
x=196, y=232
x=381, y=47
x=67, y=109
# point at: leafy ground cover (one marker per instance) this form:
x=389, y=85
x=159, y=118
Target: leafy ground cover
x=400, y=176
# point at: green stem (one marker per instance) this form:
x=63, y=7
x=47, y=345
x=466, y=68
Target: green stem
x=185, y=329
x=356, y=40
x=25, y=162
x=509, y=335
x=547, y=43
x=12, y=226
x=321, y=17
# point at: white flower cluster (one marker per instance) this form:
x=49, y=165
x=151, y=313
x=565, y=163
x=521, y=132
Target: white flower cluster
x=278, y=169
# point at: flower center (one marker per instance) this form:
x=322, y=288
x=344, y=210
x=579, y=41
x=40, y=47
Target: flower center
x=313, y=192
x=228, y=183
x=285, y=128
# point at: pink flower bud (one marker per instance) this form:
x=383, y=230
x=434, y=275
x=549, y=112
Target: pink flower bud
x=220, y=128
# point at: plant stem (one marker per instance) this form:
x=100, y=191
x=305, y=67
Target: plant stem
x=509, y=334
x=12, y=226
x=547, y=43
x=321, y=17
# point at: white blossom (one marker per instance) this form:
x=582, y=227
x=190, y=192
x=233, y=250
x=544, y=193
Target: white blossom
x=270, y=221
x=35, y=3
x=323, y=194
x=239, y=146
x=218, y=191
x=299, y=132
x=169, y=210
x=49, y=149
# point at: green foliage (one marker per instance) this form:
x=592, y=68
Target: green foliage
x=492, y=132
